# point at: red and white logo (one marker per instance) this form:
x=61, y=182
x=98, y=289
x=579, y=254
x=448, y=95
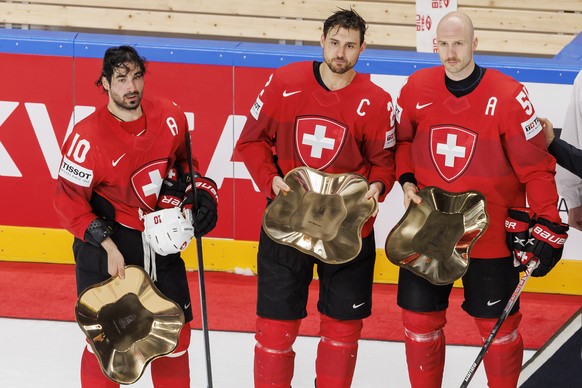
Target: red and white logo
x=318, y=140
x=451, y=150
x=147, y=181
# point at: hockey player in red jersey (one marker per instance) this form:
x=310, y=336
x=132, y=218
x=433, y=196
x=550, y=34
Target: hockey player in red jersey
x=463, y=127
x=326, y=116
x=125, y=160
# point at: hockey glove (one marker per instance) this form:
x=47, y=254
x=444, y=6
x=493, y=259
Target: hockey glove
x=173, y=190
x=548, y=244
x=518, y=223
x=206, y=206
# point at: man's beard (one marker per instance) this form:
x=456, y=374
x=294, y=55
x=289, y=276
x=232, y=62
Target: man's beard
x=338, y=69
x=128, y=106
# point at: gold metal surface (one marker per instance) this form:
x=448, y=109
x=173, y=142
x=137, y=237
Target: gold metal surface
x=433, y=239
x=128, y=323
x=322, y=215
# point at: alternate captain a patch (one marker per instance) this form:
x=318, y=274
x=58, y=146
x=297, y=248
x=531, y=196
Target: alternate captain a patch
x=318, y=140
x=451, y=150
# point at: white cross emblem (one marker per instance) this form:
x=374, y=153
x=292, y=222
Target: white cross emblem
x=318, y=141
x=154, y=186
x=450, y=150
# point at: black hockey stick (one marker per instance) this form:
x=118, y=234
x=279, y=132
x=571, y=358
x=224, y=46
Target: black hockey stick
x=200, y=264
x=530, y=267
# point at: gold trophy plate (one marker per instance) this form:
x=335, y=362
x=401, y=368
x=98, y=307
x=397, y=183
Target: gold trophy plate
x=128, y=323
x=434, y=238
x=322, y=215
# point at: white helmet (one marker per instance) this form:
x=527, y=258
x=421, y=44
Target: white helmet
x=168, y=231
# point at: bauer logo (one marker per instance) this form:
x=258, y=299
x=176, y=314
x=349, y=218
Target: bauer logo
x=76, y=174
x=531, y=127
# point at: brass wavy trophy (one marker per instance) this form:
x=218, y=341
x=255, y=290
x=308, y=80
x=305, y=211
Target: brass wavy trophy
x=322, y=215
x=434, y=238
x=128, y=323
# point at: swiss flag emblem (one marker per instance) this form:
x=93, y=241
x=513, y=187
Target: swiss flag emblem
x=318, y=140
x=147, y=181
x=451, y=150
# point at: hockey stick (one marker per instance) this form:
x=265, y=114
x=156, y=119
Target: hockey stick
x=530, y=267
x=200, y=265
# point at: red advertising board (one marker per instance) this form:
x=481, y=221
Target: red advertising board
x=42, y=96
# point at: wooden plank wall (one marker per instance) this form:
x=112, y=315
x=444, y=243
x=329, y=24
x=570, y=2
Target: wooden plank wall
x=517, y=27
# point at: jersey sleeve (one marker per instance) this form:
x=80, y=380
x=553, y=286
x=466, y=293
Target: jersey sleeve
x=379, y=149
x=567, y=156
x=405, y=130
x=75, y=185
x=257, y=139
x=525, y=147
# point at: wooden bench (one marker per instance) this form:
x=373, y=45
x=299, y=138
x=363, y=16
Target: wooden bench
x=519, y=27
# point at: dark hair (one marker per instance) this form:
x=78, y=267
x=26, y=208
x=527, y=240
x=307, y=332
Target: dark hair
x=348, y=19
x=118, y=58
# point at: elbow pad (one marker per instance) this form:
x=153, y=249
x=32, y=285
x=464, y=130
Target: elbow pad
x=99, y=229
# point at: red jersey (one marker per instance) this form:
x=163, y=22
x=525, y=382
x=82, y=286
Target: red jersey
x=489, y=140
x=304, y=124
x=124, y=166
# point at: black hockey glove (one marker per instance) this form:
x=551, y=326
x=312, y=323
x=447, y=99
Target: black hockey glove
x=548, y=244
x=518, y=224
x=173, y=190
x=206, y=206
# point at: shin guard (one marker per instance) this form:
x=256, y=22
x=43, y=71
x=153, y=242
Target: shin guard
x=505, y=355
x=91, y=374
x=425, y=347
x=173, y=370
x=274, y=355
x=337, y=352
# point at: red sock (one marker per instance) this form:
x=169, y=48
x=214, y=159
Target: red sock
x=91, y=374
x=425, y=348
x=273, y=369
x=505, y=355
x=173, y=370
x=274, y=356
x=337, y=352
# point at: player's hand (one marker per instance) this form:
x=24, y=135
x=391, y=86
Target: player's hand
x=518, y=226
x=575, y=217
x=409, y=191
x=374, y=192
x=207, y=206
x=279, y=185
x=115, y=260
x=548, y=129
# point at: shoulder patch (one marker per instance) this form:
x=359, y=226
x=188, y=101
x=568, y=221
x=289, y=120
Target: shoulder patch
x=74, y=173
x=531, y=127
x=390, y=140
x=397, y=112
x=256, y=108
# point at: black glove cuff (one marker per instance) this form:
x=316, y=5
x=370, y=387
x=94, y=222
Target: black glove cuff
x=556, y=228
x=407, y=177
x=98, y=230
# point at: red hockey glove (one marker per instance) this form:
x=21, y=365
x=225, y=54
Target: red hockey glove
x=207, y=205
x=548, y=244
x=518, y=223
